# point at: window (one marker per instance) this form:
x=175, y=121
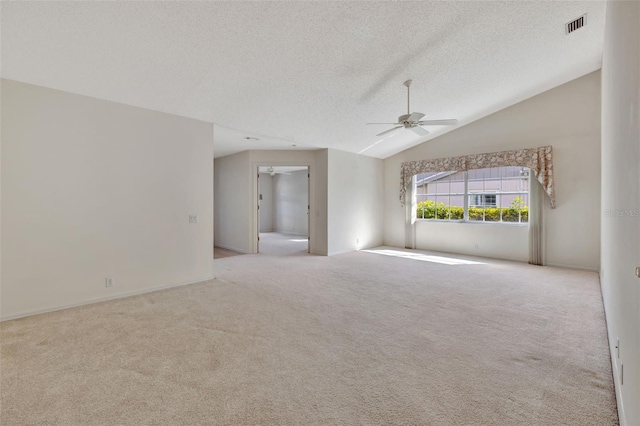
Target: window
x=498, y=194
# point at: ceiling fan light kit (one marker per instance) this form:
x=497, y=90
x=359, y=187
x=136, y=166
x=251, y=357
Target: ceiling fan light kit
x=413, y=120
x=273, y=172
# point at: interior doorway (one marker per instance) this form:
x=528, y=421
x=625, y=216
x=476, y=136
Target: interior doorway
x=283, y=210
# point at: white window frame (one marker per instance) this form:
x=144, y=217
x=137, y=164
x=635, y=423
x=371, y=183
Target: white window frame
x=466, y=197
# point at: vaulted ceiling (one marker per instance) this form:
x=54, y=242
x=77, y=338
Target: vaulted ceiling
x=309, y=74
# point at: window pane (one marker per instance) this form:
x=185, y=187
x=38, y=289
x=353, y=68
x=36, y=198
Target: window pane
x=457, y=201
x=442, y=187
x=515, y=208
x=426, y=208
x=524, y=208
x=442, y=207
x=508, y=213
x=476, y=204
x=434, y=194
x=457, y=177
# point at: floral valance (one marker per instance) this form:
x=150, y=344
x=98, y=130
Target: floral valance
x=539, y=160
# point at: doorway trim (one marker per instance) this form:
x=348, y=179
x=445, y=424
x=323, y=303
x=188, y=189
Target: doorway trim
x=255, y=194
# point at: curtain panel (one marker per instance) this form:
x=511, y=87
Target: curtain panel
x=539, y=160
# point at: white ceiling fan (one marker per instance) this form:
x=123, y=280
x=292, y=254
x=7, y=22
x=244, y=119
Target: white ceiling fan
x=412, y=120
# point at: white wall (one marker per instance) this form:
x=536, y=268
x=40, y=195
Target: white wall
x=94, y=189
x=236, y=196
x=355, y=200
x=346, y=195
x=621, y=199
x=266, y=203
x=320, y=197
x=290, y=200
x=502, y=241
x=566, y=117
x=233, y=202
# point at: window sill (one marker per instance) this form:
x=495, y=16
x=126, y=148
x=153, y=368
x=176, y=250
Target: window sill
x=474, y=222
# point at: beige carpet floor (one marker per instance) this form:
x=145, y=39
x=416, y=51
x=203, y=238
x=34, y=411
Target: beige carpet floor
x=279, y=244
x=221, y=253
x=355, y=339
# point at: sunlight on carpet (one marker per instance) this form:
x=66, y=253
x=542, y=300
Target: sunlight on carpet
x=424, y=257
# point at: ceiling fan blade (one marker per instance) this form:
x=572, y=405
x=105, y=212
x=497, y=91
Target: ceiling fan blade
x=386, y=123
x=448, y=122
x=419, y=130
x=389, y=131
x=415, y=116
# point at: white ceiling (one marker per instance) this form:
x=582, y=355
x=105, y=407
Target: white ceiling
x=304, y=73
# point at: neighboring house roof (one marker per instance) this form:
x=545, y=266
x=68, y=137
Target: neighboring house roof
x=437, y=176
x=442, y=175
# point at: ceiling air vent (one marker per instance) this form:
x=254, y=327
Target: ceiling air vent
x=576, y=23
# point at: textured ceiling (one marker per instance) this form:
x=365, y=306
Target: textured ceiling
x=304, y=73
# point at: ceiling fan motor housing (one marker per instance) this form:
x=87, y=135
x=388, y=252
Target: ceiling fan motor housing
x=410, y=120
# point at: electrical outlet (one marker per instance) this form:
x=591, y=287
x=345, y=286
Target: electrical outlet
x=108, y=282
x=618, y=348
x=476, y=246
x=193, y=218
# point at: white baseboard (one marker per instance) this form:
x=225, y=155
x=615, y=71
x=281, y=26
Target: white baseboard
x=232, y=248
x=616, y=384
x=334, y=253
x=32, y=312
x=578, y=268
x=615, y=367
x=291, y=233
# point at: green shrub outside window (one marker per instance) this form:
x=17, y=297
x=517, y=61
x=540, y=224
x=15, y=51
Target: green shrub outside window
x=515, y=213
